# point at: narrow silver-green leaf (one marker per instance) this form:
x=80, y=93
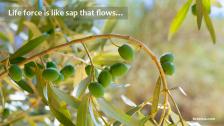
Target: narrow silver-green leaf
x=199, y=12
x=92, y=115
x=29, y=46
x=156, y=94
x=72, y=101
x=209, y=24
x=58, y=108
x=82, y=87
x=117, y=114
x=129, y=112
x=82, y=115
x=179, y=18
x=60, y=117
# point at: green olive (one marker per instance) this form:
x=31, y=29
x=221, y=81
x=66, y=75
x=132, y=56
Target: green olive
x=68, y=71
x=15, y=72
x=167, y=57
x=88, y=69
x=29, y=69
x=96, y=89
x=51, y=65
x=126, y=52
x=118, y=69
x=25, y=86
x=105, y=78
x=60, y=79
x=5, y=112
x=50, y=74
x=168, y=68
x=194, y=9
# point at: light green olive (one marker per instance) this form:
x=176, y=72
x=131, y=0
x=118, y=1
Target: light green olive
x=105, y=78
x=126, y=52
x=96, y=89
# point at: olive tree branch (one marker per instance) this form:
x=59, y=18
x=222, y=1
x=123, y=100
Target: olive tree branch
x=108, y=36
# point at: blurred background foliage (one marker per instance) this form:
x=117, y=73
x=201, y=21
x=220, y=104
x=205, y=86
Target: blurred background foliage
x=199, y=63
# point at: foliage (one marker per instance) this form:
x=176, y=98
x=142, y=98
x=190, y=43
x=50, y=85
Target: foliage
x=51, y=80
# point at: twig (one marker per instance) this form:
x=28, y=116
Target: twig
x=108, y=36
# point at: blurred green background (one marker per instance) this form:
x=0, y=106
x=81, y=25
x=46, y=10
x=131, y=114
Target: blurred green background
x=199, y=63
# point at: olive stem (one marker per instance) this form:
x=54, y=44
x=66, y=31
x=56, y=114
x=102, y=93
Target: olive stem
x=108, y=36
x=91, y=62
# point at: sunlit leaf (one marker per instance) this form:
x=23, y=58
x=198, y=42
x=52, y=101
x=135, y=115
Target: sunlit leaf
x=34, y=30
x=61, y=118
x=73, y=102
x=129, y=112
x=209, y=24
x=20, y=25
x=179, y=18
x=29, y=46
x=41, y=85
x=107, y=28
x=207, y=5
x=105, y=58
x=117, y=114
x=58, y=108
x=199, y=12
x=155, y=100
x=92, y=115
x=82, y=114
x=127, y=101
x=82, y=87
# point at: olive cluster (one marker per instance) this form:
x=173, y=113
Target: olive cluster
x=166, y=61
x=108, y=74
x=51, y=72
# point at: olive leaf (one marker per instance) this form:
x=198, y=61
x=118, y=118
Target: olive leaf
x=82, y=115
x=179, y=18
x=199, y=12
x=92, y=115
x=129, y=112
x=25, y=86
x=208, y=21
x=155, y=100
x=72, y=101
x=29, y=46
x=106, y=58
x=117, y=114
x=82, y=87
x=58, y=108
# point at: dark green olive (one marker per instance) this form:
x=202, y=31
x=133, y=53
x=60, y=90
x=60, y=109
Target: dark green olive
x=96, y=89
x=60, y=79
x=105, y=78
x=88, y=69
x=23, y=84
x=5, y=112
x=118, y=69
x=29, y=69
x=169, y=68
x=68, y=71
x=194, y=9
x=15, y=72
x=50, y=74
x=126, y=52
x=51, y=65
x=167, y=57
